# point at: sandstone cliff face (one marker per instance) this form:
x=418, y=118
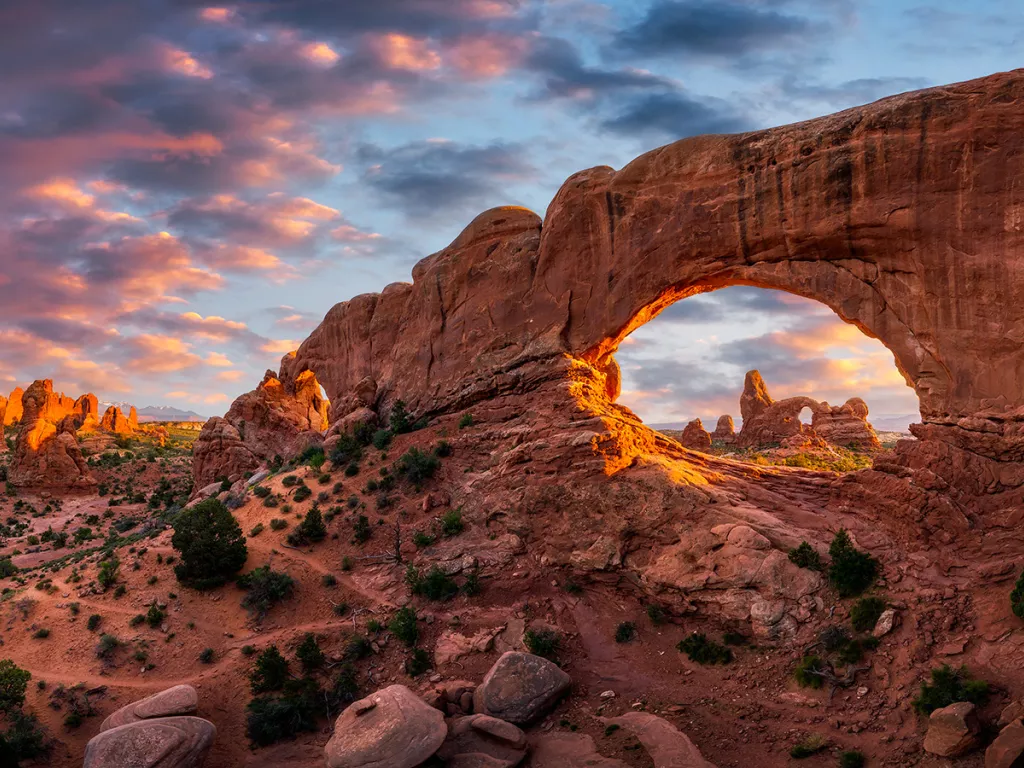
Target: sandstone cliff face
x=725, y=430
x=3, y=412
x=87, y=412
x=695, y=436
x=845, y=425
x=14, y=407
x=47, y=453
x=116, y=422
x=272, y=420
x=869, y=211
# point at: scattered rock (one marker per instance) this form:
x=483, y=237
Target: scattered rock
x=887, y=621
x=1007, y=748
x=479, y=740
x=392, y=728
x=520, y=687
x=953, y=730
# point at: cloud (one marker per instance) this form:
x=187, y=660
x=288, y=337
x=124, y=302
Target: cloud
x=423, y=177
x=722, y=30
x=675, y=115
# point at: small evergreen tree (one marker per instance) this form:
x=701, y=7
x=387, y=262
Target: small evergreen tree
x=211, y=544
x=270, y=672
x=309, y=654
x=851, y=571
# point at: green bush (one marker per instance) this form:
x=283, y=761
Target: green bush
x=805, y=672
x=851, y=758
x=421, y=539
x=806, y=556
x=261, y=491
x=256, y=530
x=311, y=529
x=809, y=746
x=543, y=642
x=302, y=493
x=417, y=663
x=211, y=545
x=277, y=524
x=270, y=672
x=471, y=586
x=435, y=585
x=329, y=580
x=309, y=654
x=155, y=616
x=361, y=530
x=625, y=632
x=206, y=657
x=41, y=634
x=290, y=481
x=416, y=466
x=403, y=625
x=443, y=449
x=851, y=571
x=381, y=439
x=466, y=420
x=7, y=568
x=451, y=522
x=13, y=682
x=698, y=648
x=949, y=686
x=358, y=647
x=399, y=419
x=348, y=450
x=264, y=588
x=106, y=646
x=94, y=622
x=108, y=573
x=1016, y=596
x=344, y=686
x=656, y=614
x=865, y=613
x=273, y=718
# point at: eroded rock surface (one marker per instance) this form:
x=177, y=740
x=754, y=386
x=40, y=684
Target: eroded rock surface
x=479, y=741
x=179, y=700
x=169, y=742
x=953, y=730
x=14, y=407
x=568, y=750
x=666, y=744
x=47, y=453
x=725, y=430
x=695, y=436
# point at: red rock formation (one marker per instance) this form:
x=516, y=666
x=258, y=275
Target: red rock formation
x=861, y=210
x=115, y=421
x=755, y=399
x=272, y=420
x=725, y=430
x=87, y=412
x=133, y=419
x=845, y=425
x=14, y=407
x=695, y=436
x=47, y=453
x=3, y=412
x=766, y=421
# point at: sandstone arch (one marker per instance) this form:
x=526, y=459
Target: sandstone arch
x=903, y=216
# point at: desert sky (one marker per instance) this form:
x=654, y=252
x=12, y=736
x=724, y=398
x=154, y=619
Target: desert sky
x=188, y=188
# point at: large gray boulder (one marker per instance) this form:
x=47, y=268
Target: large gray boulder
x=176, y=701
x=520, y=688
x=166, y=742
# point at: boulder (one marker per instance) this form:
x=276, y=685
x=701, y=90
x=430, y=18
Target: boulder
x=887, y=621
x=695, y=437
x=520, y=688
x=115, y=421
x=179, y=700
x=1007, y=748
x=392, y=728
x=953, y=730
x=568, y=750
x=479, y=741
x=845, y=425
x=168, y=742
x=666, y=744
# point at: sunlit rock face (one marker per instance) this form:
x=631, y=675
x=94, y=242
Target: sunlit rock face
x=870, y=211
x=46, y=454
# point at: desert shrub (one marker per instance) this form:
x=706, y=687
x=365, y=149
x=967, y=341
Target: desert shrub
x=851, y=571
x=41, y=634
x=808, y=747
x=273, y=718
x=443, y=449
x=466, y=420
x=421, y=539
x=270, y=672
x=137, y=619
x=403, y=626
x=290, y=481
x=329, y=580
x=399, y=419
x=471, y=586
x=261, y=491
x=451, y=522
x=656, y=614
x=834, y=638
x=312, y=528
x=302, y=493
x=309, y=654
x=348, y=450
x=352, y=470
x=358, y=647
x=700, y=649
x=415, y=466
x=417, y=663
x=344, y=688
x=734, y=638
x=210, y=543
x=851, y=758
x=264, y=588
x=805, y=672
x=155, y=616
x=7, y=568
x=865, y=613
x=256, y=530
x=206, y=657
x=314, y=457
x=361, y=530
x=543, y=642
x=381, y=439
x=278, y=524
x=1016, y=596
x=806, y=556
x=625, y=632
x=13, y=682
x=106, y=646
x=108, y=573
x=948, y=686
x=435, y=585
x=94, y=622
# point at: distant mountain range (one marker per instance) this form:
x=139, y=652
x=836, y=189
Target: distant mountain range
x=157, y=412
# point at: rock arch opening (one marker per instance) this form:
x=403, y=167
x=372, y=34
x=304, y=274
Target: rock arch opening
x=685, y=372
